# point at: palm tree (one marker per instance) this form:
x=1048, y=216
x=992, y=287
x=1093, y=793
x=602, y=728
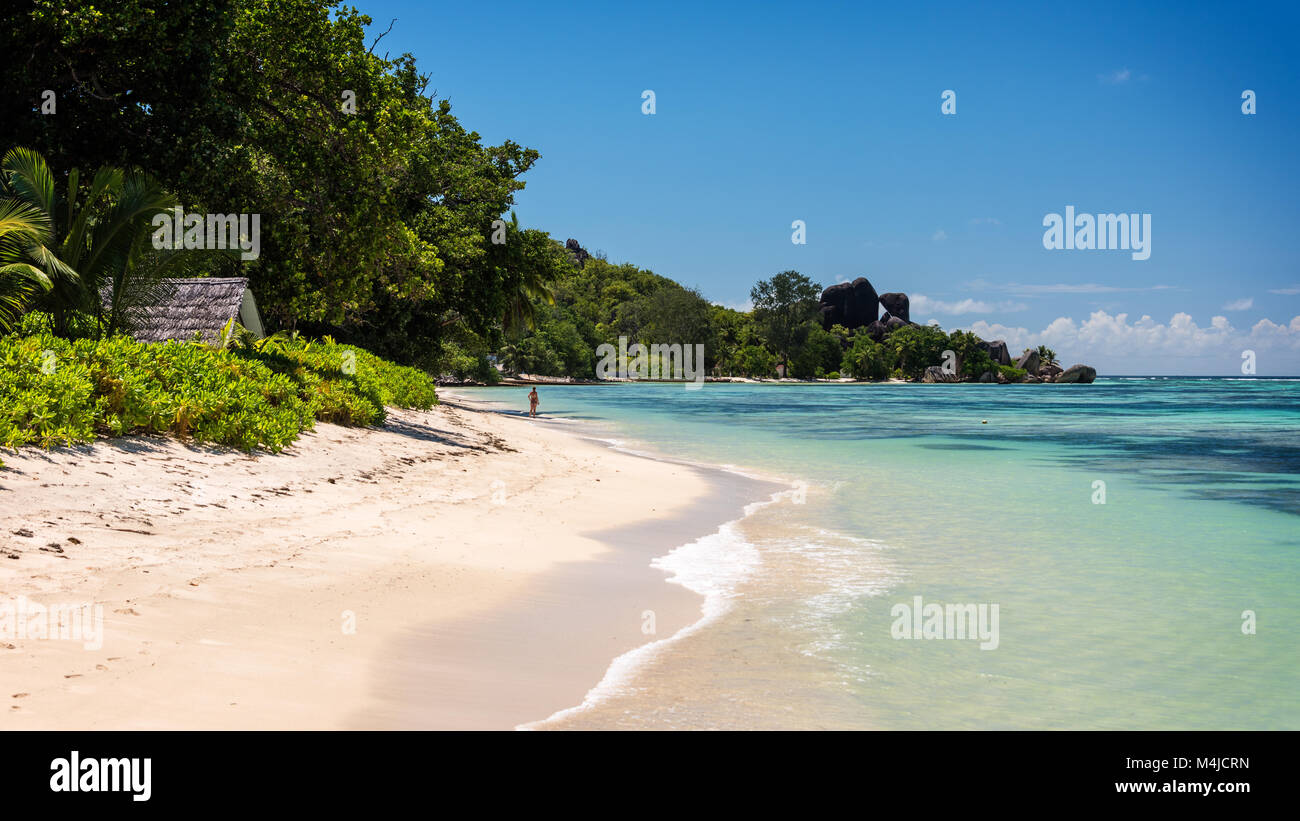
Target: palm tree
x=511, y=357
x=525, y=266
x=1046, y=355
x=102, y=251
x=531, y=282
x=22, y=229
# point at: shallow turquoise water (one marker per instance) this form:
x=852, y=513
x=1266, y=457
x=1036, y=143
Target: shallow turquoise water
x=1122, y=614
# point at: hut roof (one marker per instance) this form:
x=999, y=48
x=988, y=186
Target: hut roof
x=194, y=306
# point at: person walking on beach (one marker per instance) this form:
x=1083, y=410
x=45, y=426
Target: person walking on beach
x=532, y=402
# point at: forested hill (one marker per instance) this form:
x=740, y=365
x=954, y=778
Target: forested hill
x=792, y=330
x=596, y=302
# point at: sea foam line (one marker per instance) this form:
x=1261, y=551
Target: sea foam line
x=712, y=566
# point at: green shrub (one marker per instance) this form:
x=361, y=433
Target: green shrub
x=833, y=375
x=1012, y=373
x=59, y=392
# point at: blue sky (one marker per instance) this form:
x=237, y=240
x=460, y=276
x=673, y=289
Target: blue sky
x=830, y=114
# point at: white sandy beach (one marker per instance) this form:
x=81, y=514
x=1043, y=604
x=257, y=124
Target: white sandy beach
x=462, y=544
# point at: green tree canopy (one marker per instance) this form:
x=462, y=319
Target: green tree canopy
x=781, y=305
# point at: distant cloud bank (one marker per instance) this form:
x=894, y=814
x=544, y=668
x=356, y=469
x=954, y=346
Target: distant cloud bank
x=1114, y=345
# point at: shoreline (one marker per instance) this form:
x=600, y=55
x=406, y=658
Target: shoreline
x=470, y=554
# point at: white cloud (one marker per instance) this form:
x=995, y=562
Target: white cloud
x=1115, y=345
x=1116, y=77
x=986, y=221
x=940, y=235
x=1292, y=291
x=1242, y=304
x=922, y=304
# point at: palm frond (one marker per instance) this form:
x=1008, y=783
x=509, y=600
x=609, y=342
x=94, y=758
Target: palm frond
x=29, y=177
x=22, y=226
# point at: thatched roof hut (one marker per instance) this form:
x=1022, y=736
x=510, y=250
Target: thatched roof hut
x=198, y=306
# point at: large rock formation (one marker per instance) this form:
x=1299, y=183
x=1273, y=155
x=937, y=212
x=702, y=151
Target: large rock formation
x=1029, y=361
x=997, y=351
x=896, y=304
x=1080, y=374
x=856, y=305
x=851, y=304
x=934, y=373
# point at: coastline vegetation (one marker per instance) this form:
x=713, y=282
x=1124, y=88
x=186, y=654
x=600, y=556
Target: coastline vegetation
x=263, y=394
x=386, y=224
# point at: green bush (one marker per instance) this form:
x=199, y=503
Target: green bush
x=833, y=375
x=1012, y=373
x=59, y=392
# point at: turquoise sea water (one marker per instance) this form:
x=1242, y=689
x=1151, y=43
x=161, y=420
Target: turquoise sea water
x=1122, y=614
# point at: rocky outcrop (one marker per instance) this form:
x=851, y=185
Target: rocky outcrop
x=997, y=351
x=1029, y=361
x=934, y=373
x=577, y=253
x=851, y=304
x=896, y=304
x=857, y=307
x=863, y=310
x=1078, y=374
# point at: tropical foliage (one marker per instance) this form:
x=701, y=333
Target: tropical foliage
x=868, y=359
x=23, y=230
x=385, y=224
x=55, y=391
x=782, y=305
x=95, y=250
x=379, y=208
